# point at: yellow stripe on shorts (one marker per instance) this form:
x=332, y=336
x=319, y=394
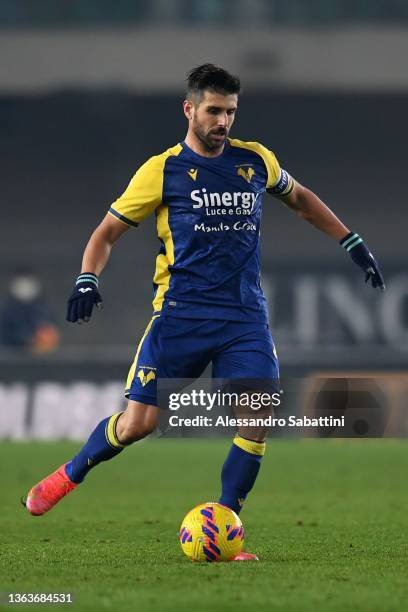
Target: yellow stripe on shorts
x=133, y=367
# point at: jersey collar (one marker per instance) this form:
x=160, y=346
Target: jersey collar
x=203, y=157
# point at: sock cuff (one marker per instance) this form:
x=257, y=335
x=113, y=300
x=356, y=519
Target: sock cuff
x=110, y=431
x=250, y=446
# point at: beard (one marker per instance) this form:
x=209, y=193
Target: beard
x=211, y=140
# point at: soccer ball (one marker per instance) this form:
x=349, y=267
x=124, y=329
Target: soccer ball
x=211, y=532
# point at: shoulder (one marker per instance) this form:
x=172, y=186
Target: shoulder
x=268, y=157
x=157, y=162
x=256, y=147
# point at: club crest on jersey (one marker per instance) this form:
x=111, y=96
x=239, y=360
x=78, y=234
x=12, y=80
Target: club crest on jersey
x=192, y=173
x=246, y=171
x=144, y=377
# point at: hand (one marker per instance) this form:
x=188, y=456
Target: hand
x=360, y=254
x=83, y=298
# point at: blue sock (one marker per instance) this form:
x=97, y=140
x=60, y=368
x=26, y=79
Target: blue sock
x=239, y=471
x=102, y=445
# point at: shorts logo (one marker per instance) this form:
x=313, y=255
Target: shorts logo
x=145, y=378
x=192, y=173
x=246, y=171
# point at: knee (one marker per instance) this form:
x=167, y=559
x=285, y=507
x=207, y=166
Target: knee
x=131, y=428
x=259, y=431
x=256, y=434
x=132, y=432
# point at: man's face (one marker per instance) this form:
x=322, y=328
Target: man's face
x=212, y=118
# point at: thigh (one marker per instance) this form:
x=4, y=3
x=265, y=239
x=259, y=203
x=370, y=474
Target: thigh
x=247, y=365
x=170, y=348
x=248, y=352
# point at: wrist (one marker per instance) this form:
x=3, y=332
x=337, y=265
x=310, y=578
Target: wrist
x=87, y=277
x=350, y=241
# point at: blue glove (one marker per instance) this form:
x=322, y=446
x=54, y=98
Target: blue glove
x=83, y=298
x=360, y=254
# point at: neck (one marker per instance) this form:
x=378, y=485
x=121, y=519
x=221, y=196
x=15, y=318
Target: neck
x=198, y=147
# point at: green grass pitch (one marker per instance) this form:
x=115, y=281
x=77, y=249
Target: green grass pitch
x=328, y=519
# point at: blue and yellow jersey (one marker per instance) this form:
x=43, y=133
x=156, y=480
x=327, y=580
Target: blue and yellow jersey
x=208, y=212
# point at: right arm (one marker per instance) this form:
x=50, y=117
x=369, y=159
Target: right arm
x=98, y=249
x=140, y=199
x=86, y=292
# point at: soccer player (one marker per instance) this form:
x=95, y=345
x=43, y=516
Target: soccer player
x=206, y=193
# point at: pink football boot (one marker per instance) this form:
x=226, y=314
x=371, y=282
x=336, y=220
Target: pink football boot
x=44, y=495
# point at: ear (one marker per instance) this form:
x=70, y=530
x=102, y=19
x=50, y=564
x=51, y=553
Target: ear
x=188, y=109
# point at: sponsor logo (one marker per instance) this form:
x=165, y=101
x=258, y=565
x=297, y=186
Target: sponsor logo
x=224, y=227
x=192, y=173
x=84, y=289
x=214, y=203
x=144, y=377
x=246, y=171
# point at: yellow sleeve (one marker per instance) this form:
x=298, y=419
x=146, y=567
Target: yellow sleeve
x=280, y=183
x=143, y=194
x=272, y=167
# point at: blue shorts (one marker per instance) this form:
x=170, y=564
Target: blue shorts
x=178, y=348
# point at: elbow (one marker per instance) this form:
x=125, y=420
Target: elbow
x=304, y=214
x=105, y=233
x=300, y=204
x=101, y=239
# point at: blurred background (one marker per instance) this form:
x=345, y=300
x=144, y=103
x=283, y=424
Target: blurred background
x=89, y=90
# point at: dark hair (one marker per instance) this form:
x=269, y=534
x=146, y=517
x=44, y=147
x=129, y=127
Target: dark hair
x=208, y=76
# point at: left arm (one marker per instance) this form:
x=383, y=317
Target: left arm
x=308, y=206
